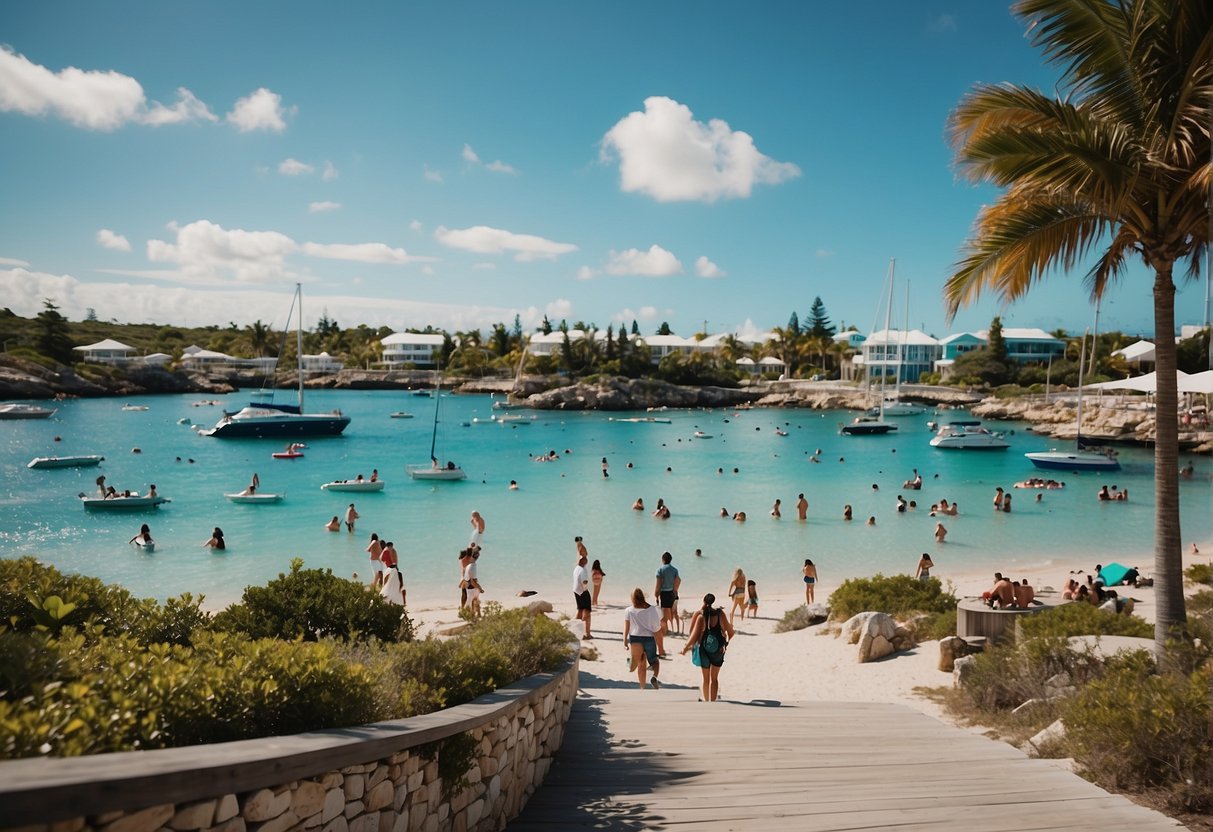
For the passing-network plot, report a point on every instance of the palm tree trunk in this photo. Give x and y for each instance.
(1170, 618)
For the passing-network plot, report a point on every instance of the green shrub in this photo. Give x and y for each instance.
(1005, 676)
(897, 595)
(312, 604)
(1200, 573)
(1081, 619)
(1136, 729)
(934, 626)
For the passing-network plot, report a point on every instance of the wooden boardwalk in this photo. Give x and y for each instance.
(635, 760)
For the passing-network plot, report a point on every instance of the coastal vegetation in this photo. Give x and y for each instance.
(1113, 167)
(87, 668)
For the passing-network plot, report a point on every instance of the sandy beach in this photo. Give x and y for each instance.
(809, 664)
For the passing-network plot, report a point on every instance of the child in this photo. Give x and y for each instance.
(752, 598)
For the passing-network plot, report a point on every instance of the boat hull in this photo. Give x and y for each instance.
(867, 428)
(254, 499)
(122, 503)
(279, 426)
(949, 443)
(364, 486)
(26, 412)
(65, 461)
(1072, 461)
(425, 472)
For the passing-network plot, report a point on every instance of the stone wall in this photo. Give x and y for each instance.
(385, 777)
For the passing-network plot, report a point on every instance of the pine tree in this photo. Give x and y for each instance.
(664, 329)
(996, 344)
(52, 339)
(819, 320)
(635, 327)
(546, 326)
(794, 324)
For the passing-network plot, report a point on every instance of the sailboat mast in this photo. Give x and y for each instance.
(437, 398)
(299, 343)
(1082, 359)
(900, 345)
(888, 315)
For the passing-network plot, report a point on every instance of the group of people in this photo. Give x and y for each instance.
(351, 517)
(385, 569)
(1094, 589)
(1112, 494)
(1002, 500)
(1008, 594)
(108, 492)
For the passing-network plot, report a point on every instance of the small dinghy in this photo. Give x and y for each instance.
(353, 485)
(701, 435)
(131, 408)
(400, 414)
(65, 461)
(267, 497)
(122, 503)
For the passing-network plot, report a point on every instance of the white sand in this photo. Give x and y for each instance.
(807, 664)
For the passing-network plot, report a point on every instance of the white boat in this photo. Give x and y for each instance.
(968, 435)
(514, 419)
(353, 485)
(262, 419)
(894, 406)
(400, 414)
(65, 461)
(1080, 459)
(255, 499)
(434, 471)
(122, 503)
(874, 424)
(701, 435)
(25, 411)
(651, 420)
(134, 408)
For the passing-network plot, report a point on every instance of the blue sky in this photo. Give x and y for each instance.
(457, 163)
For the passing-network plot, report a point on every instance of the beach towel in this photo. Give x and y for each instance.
(1113, 574)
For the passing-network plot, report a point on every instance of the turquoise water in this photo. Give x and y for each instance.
(529, 539)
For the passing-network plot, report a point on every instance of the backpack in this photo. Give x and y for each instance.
(713, 640)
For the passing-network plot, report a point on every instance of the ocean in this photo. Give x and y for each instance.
(528, 543)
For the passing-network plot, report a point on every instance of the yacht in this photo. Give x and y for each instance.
(969, 435)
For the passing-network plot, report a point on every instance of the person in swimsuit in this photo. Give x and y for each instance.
(144, 537)
(737, 594)
(711, 620)
(752, 600)
(940, 533)
(923, 572)
(802, 508)
(596, 576)
(375, 550)
(810, 580)
(216, 541)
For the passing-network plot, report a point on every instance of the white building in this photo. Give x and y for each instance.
(907, 353)
(419, 349)
(108, 351)
(322, 363)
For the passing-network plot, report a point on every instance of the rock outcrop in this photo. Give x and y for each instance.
(24, 379)
(619, 393)
(877, 635)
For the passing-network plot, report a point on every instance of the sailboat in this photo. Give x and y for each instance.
(893, 405)
(435, 471)
(1079, 459)
(872, 424)
(267, 419)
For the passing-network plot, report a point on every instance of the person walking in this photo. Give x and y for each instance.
(737, 594)
(923, 571)
(351, 514)
(477, 523)
(709, 636)
(605, 471)
(471, 581)
(375, 550)
(641, 625)
(596, 576)
(666, 590)
(810, 580)
(581, 593)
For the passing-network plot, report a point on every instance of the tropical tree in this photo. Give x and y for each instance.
(819, 320)
(52, 337)
(1113, 164)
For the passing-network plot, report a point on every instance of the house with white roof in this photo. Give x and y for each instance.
(906, 353)
(419, 349)
(1028, 345)
(108, 351)
(1139, 355)
(322, 363)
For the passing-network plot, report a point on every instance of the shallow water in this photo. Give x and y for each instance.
(529, 539)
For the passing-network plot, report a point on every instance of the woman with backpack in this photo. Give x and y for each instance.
(709, 636)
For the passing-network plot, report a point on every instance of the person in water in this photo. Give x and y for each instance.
(216, 541)
(144, 538)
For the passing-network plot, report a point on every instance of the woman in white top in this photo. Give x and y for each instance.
(393, 587)
(472, 583)
(641, 623)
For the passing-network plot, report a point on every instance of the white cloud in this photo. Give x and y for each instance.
(13, 261)
(656, 262)
(293, 167)
(110, 240)
(482, 239)
(259, 110)
(330, 172)
(668, 155)
(92, 99)
(359, 252)
(322, 207)
(488, 267)
(205, 252)
(586, 273)
(416, 225)
(706, 268)
(559, 308)
(498, 166)
(23, 291)
(432, 175)
(470, 156)
(645, 313)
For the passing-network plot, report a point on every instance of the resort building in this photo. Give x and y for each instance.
(906, 354)
(417, 349)
(1028, 346)
(108, 351)
(1138, 355)
(322, 363)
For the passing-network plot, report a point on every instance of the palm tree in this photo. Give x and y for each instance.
(1115, 163)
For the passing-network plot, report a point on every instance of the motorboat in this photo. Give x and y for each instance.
(513, 419)
(968, 435)
(132, 503)
(867, 426)
(895, 406)
(25, 411)
(701, 435)
(65, 461)
(651, 420)
(268, 419)
(255, 499)
(134, 408)
(400, 414)
(353, 485)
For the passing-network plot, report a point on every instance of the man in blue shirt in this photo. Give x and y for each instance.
(666, 589)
